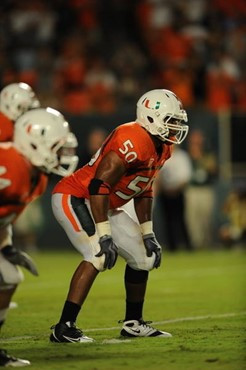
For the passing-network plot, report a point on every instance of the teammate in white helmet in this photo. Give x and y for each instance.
(15, 99)
(39, 148)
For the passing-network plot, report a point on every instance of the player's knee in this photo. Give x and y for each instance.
(10, 275)
(98, 263)
(91, 252)
(145, 263)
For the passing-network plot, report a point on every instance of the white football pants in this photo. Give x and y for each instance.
(10, 275)
(125, 233)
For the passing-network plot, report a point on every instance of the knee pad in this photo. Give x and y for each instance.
(93, 249)
(145, 263)
(98, 263)
(10, 275)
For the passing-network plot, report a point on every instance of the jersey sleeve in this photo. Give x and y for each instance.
(6, 129)
(6, 192)
(16, 190)
(10, 186)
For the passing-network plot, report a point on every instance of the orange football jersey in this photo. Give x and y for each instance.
(135, 147)
(6, 128)
(17, 187)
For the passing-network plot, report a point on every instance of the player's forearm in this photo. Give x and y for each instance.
(99, 207)
(143, 208)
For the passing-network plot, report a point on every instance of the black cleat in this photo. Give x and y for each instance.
(10, 361)
(68, 333)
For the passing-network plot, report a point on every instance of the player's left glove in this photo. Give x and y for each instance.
(152, 246)
(17, 257)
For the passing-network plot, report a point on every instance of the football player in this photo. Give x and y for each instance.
(41, 145)
(88, 207)
(15, 99)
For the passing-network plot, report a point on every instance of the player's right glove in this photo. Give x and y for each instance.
(109, 249)
(152, 246)
(17, 257)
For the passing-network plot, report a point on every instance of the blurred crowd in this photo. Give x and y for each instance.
(95, 56)
(98, 57)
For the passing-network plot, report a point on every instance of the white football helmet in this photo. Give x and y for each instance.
(161, 113)
(16, 99)
(43, 136)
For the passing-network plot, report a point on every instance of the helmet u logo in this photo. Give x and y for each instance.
(146, 104)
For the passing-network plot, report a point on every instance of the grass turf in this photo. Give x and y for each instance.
(198, 297)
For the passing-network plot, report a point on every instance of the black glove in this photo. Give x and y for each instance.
(109, 249)
(17, 257)
(152, 246)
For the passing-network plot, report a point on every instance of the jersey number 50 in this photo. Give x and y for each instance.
(129, 156)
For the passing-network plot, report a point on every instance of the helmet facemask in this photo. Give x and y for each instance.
(67, 158)
(175, 130)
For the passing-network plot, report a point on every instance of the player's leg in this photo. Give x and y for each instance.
(10, 275)
(127, 235)
(65, 330)
(6, 293)
(74, 216)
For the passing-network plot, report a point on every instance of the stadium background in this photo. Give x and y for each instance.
(92, 59)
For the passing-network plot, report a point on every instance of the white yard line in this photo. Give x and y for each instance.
(171, 321)
(181, 319)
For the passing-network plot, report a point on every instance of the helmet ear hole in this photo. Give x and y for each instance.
(150, 119)
(55, 145)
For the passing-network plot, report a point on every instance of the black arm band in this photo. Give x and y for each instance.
(98, 187)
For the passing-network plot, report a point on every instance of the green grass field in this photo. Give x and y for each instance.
(199, 298)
